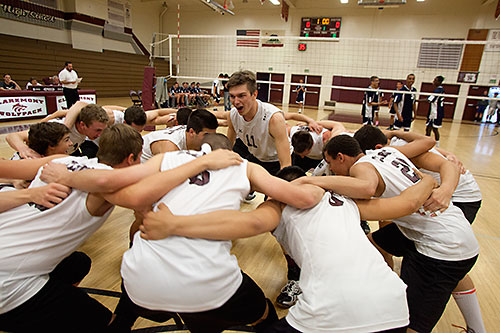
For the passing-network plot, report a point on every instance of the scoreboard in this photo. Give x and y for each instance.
(320, 27)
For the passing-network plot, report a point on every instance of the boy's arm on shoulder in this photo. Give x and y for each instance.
(19, 142)
(73, 113)
(105, 181)
(408, 202)
(294, 194)
(25, 168)
(361, 184)
(417, 143)
(142, 194)
(218, 225)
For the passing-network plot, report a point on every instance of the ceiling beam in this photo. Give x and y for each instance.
(291, 3)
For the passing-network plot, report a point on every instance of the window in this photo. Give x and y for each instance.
(440, 55)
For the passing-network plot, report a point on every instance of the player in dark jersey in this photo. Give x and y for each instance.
(436, 110)
(371, 102)
(394, 104)
(407, 107)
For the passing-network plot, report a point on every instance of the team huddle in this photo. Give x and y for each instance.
(186, 184)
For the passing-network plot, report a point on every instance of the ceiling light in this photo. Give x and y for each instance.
(275, 2)
(344, 1)
(420, 0)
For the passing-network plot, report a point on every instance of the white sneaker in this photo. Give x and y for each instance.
(289, 294)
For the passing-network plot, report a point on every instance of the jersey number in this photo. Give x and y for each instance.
(251, 141)
(334, 201)
(405, 169)
(200, 179)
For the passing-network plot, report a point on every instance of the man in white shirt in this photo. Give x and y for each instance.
(69, 80)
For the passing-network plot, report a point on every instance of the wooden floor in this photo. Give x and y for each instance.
(476, 145)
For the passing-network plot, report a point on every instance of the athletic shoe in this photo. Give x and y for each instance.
(365, 227)
(250, 197)
(289, 294)
(300, 110)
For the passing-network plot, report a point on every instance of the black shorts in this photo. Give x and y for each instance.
(59, 306)
(305, 163)
(469, 209)
(281, 326)
(246, 306)
(430, 281)
(240, 148)
(434, 123)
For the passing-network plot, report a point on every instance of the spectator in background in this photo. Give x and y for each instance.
(69, 79)
(9, 84)
(32, 82)
(55, 81)
(201, 93)
(186, 94)
(481, 107)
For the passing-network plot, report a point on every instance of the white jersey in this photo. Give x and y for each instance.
(34, 239)
(356, 292)
(185, 274)
(448, 236)
(76, 137)
(176, 135)
(467, 189)
(119, 117)
(255, 133)
(317, 148)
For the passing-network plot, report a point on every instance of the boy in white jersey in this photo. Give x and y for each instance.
(186, 137)
(260, 126)
(200, 279)
(37, 295)
(356, 293)
(33, 301)
(89, 122)
(438, 250)
(466, 196)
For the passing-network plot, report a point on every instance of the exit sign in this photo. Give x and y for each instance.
(302, 46)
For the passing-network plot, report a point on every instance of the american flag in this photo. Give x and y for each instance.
(248, 42)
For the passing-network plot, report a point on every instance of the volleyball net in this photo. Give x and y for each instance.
(338, 68)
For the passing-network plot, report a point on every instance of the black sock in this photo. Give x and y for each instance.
(293, 269)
